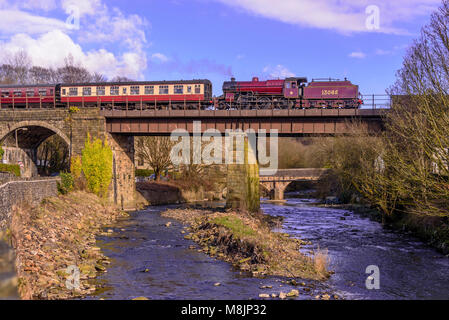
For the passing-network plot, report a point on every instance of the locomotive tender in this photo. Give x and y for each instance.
(294, 92)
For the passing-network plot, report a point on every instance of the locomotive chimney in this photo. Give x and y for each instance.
(232, 79)
(255, 79)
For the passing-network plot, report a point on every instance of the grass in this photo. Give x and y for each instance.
(236, 225)
(246, 241)
(11, 168)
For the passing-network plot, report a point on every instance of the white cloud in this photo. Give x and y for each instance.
(14, 21)
(159, 57)
(45, 5)
(278, 71)
(85, 7)
(48, 41)
(341, 15)
(50, 50)
(357, 55)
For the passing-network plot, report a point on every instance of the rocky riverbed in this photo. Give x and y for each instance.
(55, 241)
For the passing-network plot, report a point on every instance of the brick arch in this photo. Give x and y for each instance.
(33, 123)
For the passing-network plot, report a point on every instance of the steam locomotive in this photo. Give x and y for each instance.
(187, 94)
(290, 93)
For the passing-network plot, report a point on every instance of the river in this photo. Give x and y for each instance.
(151, 260)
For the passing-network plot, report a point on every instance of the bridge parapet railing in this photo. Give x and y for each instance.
(276, 113)
(376, 101)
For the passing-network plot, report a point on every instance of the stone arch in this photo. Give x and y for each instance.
(36, 124)
(21, 141)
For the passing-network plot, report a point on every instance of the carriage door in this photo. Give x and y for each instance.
(291, 90)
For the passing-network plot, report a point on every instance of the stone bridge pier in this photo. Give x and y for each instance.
(23, 131)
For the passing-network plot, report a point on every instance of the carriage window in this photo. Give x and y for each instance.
(30, 93)
(179, 89)
(101, 91)
(63, 92)
(5, 94)
(149, 89)
(197, 88)
(189, 89)
(287, 85)
(17, 93)
(43, 93)
(51, 92)
(124, 90)
(72, 91)
(115, 91)
(135, 90)
(87, 91)
(163, 89)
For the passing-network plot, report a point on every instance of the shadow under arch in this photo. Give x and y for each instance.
(21, 143)
(33, 133)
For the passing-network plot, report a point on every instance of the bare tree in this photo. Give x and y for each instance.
(20, 63)
(121, 79)
(155, 151)
(419, 121)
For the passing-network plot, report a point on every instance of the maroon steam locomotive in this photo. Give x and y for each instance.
(193, 94)
(289, 93)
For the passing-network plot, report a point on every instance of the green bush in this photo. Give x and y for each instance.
(66, 184)
(143, 172)
(97, 165)
(2, 152)
(11, 168)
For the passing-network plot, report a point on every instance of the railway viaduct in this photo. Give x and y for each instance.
(23, 130)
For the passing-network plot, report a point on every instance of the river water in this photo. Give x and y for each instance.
(175, 270)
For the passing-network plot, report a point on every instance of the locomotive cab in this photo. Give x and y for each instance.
(293, 87)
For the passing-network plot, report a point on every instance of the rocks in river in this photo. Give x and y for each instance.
(274, 295)
(326, 297)
(332, 200)
(100, 268)
(168, 224)
(141, 298)
(264, 295)
(266, 287)
(217, 284)
(293, 282)
(282, 295)
(293, 293)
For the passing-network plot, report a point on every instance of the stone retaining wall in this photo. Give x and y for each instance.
(16, 192)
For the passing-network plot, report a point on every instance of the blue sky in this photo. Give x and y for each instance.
(217, 39)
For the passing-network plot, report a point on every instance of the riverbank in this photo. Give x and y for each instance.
(59, 233)
(433, 231)
(246, 241)
(163, 193)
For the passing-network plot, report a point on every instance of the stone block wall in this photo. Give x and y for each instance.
(16, 192)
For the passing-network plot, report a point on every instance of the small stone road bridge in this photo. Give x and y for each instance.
(276, 183)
